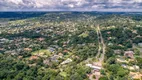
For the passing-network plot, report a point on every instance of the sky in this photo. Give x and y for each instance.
(71, 5)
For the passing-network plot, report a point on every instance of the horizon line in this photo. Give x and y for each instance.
(79, 11)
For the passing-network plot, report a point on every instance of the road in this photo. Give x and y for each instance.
(102, 47)
(99, 44)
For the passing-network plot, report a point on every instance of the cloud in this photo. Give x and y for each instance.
(70, 5)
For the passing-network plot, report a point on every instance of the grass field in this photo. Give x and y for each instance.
(42, 52)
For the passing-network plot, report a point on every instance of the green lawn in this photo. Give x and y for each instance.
(64, 74)
(42, 52)
(84, 35)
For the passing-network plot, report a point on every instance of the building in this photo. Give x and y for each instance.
(67, 61)
(27, 49)
(46, 61)
(117, 51)
(13, 52)
(129, 54)
(54, 58)
(135, 75)
(33, 58)
(41, 39)
(97, 64)
(65, 51)
(108, 32)
(95, 67)
(140, 44)
(96, 74)
(133, 68)
(51, 49)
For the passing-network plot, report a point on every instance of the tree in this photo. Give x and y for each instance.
(121, 72)
(111, 60)
(103, 78)
(109, 52)
(76, 76)
(139, 61)
(94, 77)
(19, 76)
(113, 68)
(103, 72)
(137, 51)
(19, 65)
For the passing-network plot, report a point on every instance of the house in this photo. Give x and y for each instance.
(33, 58)
(110, 44)
(4, 40)
(117, 51)
(136, 67)
(40, 39)
(109, 38)
(120, 45)
(135, 75)
(129, 54)
(95, 67)
(60, 55)
(46, 62)
(13, 52)
(131, 60)
(67, 61)
(124, 65)
(108, 32)
(65, 44)
(65, 51)
(140, 44)
(133, 68)
(32, 64)
(96, 74)
(20, 57)
(51, 49)
(97, 64)
(55, 46)
(54, 58)
(135, 31)
(1, 49)
(27, 49)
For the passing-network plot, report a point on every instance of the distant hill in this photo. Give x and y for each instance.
(24, 15)
(20, 15)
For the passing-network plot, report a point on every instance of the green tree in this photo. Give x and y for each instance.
(103, 78)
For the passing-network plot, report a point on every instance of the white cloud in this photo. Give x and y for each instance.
(15, 1)
(139, 1)
(70, 4)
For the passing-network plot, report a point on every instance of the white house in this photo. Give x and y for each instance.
(67, 61)
(94, 67)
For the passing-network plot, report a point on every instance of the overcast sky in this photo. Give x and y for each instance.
(71, 5)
